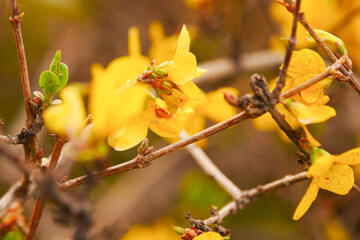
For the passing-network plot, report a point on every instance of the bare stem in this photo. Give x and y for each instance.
(346, 72)
(40, 201)
(249, 195)
(290, 48)
(134, 163)
(15, 18)
(312, 81)
(210, 168)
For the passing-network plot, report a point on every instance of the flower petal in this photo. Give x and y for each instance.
(209, 236)
(167, 126)
(183, 67)
(321, 165)
(307, 200)
(310, 137)
(130, 133)
(351, 157)
(338, 179)
(216, 108)
(67, 118)
(312, 114)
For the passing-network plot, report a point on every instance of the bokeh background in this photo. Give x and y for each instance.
(245, 34)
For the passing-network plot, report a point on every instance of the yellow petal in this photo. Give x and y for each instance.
(216, 108)
(304, 62)
(192, 92)
(111, 106)
(162, 48)
(67, 118)
(321, 165)
(338, 179)
(351, 157)
(183, 67)
(310, 137)
(209, 236)
(265, 122)
(130, 133)
(127, 68)
(167, 126)
(312, 114)
(307, 200)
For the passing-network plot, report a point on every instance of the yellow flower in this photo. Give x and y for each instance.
(162, 48)
(68, 118)
(333, 13)
(159, 230)
(209, 236)
(164, 115)
(214, 108)
(184, 66)
(113, 97)
(308, 106)
(326, 19)
(331, 173)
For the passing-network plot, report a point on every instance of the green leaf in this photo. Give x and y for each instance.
(63, 76)
(55, 63)
(49, 83)
(14, 235)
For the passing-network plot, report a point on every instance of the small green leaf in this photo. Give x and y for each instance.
(49, 83)
(179, 230)
(55, 63)
(63, 76)
(14, 235)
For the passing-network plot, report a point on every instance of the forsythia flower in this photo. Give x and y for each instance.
(215, 108)
(159, 230)
(162, 48)
(209, 236)
(68, 118)
(308, 106)
(112, 99)
(333, 13)
(172, 84)
(331, 173)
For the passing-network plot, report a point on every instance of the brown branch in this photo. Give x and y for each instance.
(247, 196)
(134, 164)
(356, 188)
(138, 163)
(5, 139)
(31, 148)
(210, 168)
(346, 71)
(15, 18)
(40, 201)
(328, 72)
(280, 83)
(19, 162)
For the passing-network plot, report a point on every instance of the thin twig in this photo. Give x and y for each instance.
(346, 72)
(19, 162)
(280, 83)
(328, 72)
(210, 168)
(135, 164)
(356, 188)
(5, 139)
(31, 148)
(249, 195)
(40, 201)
